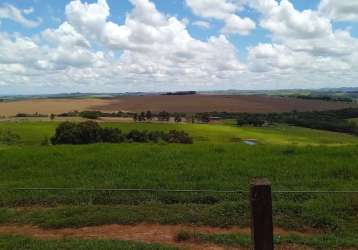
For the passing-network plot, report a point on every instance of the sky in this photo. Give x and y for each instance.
(169, 45)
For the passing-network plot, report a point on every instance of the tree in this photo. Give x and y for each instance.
(141, 117)
(149, 115)
(163, 116)
(91, 114)
(177, 118)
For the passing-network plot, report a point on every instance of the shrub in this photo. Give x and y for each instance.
(183, 236)
(137, 136)
(90, 132)
(156, 136)
(77, 133)
(175, 136)
(112, 135)
(8, 137)
(66, 133)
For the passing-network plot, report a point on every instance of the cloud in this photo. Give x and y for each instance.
(305, 31)
(235, 24)
(339, 10)
(28, 11)
(283, 20)
(304, 43)
(202, 24)
(223, 10)
(149, 47)
(65, 35)
(88, 19)
(151, 50)
(8, 11)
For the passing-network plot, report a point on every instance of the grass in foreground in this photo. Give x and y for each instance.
(237, 240)
(222, 214)
(216, 160)
(21, 243)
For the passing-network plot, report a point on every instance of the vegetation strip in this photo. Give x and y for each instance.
(150, 233)
(178, 190)
(133, 190)
(239, 240)
(20, 242)
(174, 234)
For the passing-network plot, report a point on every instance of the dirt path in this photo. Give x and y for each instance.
(149, 233)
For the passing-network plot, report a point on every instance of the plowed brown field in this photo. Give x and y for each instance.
(228, 103)
(155, 103)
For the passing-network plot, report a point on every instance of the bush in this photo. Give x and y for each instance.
(90, 132)
(175, 136)
(112, 135)
(137, 136)
(66, 133)
(77, 133)
(183, 236)
(156, 136)
(9, 138)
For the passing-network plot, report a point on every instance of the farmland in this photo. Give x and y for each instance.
(292, 158)
(157, 103)
(210, 103)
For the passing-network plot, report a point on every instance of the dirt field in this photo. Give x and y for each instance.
(188, 104)
(148, 233)
(48, 106)
(207, 103)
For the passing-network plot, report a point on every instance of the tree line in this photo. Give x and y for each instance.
(331, 120)
(323, 98)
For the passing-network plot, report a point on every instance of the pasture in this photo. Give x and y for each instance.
(292, 158)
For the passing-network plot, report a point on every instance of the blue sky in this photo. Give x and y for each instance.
(143, 45)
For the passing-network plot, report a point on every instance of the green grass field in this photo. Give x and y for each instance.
(292, 158)
(32, 133)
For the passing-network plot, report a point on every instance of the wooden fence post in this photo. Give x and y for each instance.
(261, 215)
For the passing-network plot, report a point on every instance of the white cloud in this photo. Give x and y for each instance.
(89, 19)
(149, 47)
(17, 50)
(340, 10)
(150, 50)
(28, 11)
(202, 24)
(8, 11)
(223, 10)
(65, 35)
(304, 44)
(218, 9)
(283, 20)
(235, 24)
